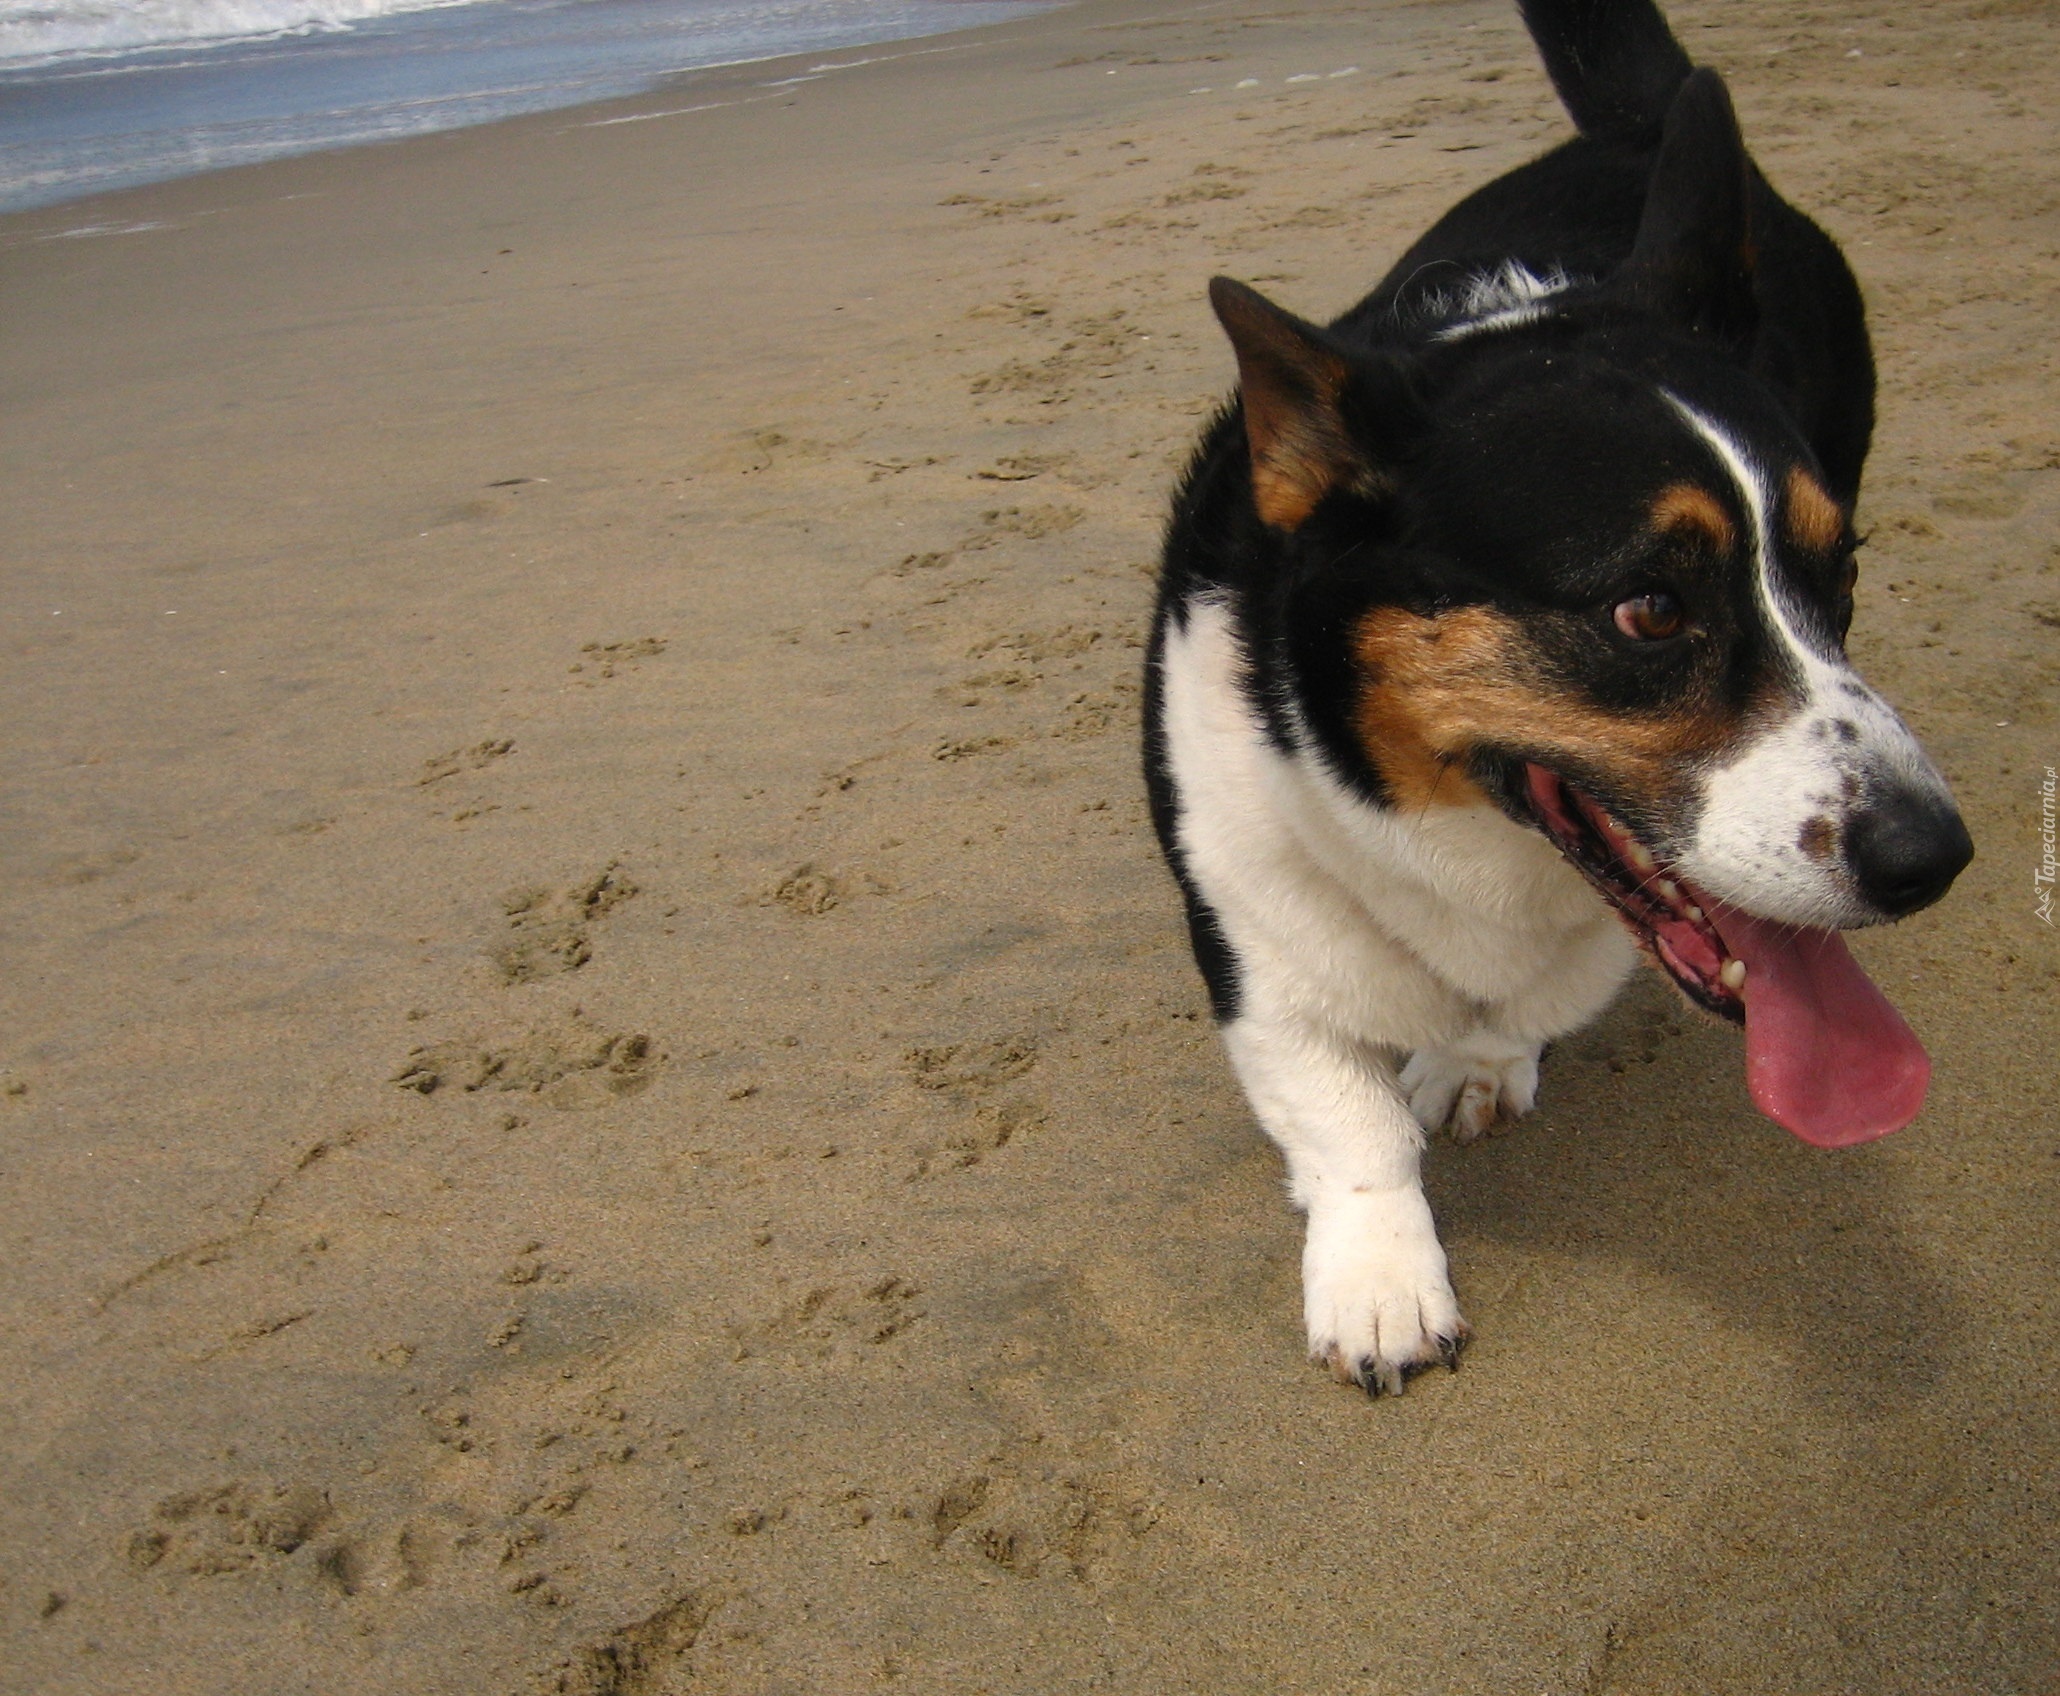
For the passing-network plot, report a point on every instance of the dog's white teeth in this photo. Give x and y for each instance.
(1733, 974)
(1695, 912)
(1669, 891)
(1640, 856)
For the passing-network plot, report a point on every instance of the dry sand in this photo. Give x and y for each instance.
(604, 1092)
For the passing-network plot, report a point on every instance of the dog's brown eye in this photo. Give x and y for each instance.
(1849, 574)
(1651, 618)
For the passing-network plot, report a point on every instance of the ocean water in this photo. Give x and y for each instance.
(101, 94)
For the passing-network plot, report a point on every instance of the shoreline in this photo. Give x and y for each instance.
(731, 78)
(376, 80)
(602, 1088)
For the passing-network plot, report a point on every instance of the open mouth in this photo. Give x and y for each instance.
(1669, 918)
(1826, 1055)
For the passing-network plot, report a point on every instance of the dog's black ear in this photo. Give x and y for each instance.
(1693, 260)
(1305, 404)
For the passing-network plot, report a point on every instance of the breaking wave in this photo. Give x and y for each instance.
(46, 32)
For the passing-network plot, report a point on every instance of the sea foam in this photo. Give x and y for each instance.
(51, 31)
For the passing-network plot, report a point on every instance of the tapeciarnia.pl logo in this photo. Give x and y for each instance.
(2043, 874)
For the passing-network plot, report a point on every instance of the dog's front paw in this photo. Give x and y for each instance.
(1471, 1087)
(1375, 1292)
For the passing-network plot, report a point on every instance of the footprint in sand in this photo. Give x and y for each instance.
(972, 747)
(829, 1322)
(807, 889)
(1024, 1523)
(1094, 712)
(475, 758)
(550, 926)
(992, 1127)
(642, 1658)
(1037, 208)
(973, 1067)
(228, 1528)
(1032, 523)
(812, 890)
(571, 1064)
(1067, 641)
(604, 659)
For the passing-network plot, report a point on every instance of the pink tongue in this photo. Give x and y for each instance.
(1826, 1056)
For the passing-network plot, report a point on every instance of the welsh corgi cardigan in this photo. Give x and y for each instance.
(1501, 635)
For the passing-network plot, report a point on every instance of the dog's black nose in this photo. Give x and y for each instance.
(1906, 850)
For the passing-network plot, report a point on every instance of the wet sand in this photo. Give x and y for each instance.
(603, 1088)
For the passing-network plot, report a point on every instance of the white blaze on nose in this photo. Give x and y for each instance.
(1825, 756)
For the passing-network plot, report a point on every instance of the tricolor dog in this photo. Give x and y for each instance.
(1501, 635)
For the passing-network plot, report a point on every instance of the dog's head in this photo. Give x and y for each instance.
(1575, 558)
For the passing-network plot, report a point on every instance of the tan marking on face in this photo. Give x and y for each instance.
(1689, 506)
(1436, 689)
(1812, 519)
(1818, 839)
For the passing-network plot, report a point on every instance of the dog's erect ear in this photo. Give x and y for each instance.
(1693, 259)
(1302, 395)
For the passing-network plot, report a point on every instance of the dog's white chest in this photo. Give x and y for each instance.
(1402, 925)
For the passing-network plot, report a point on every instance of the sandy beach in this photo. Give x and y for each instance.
(601, 1090)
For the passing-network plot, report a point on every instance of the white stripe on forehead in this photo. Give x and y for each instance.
(1832, 691)
(1809, 659)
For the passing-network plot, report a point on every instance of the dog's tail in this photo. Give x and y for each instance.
(1615, 63)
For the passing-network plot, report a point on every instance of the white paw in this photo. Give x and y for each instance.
(1471, 1087)
(1375, 1292)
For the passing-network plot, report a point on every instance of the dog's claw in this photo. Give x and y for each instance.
(1387, 1378)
